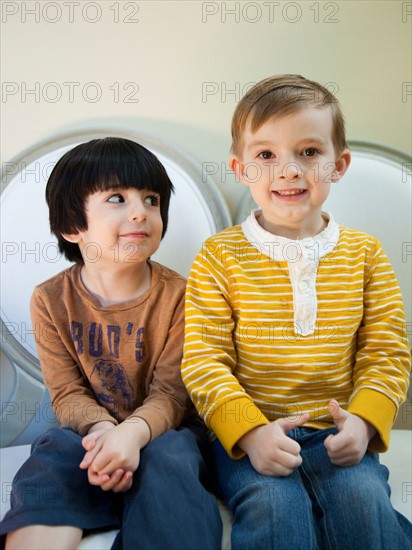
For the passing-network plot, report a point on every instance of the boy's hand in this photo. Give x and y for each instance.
(270, 450)
(89, 442)
(348, 447)
(118, 480)
(114, 454)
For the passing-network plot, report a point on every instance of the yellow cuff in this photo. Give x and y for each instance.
(378, 410)
(232, 420)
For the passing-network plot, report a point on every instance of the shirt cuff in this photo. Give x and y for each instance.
(232, 420)
(378, 410)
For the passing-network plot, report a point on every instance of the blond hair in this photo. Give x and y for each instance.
(281, 95)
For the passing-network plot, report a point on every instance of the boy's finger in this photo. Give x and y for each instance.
(329, 444)
(89, 457)
(335, 444)
(124, 484)
(113, 481)
(291, 461)
(104, 464)
(292, 422)
(289, 446)
(338, 414)
(87, 460)
(89, 440)
(96, 479)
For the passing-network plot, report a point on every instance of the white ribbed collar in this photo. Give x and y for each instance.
(290, 250)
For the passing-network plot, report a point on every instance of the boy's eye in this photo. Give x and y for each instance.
(266, 155)
(310, 152)
(153, 200)
(116, 198)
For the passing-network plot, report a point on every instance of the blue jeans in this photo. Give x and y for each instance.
(318, 506)
(170, 504)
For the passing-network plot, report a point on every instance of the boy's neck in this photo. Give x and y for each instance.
(295, 232)
(116, 287)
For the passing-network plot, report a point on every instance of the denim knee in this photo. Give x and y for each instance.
(359, 487)
(175, 452)
(171, 482)
(256, 500)
(61, 440)
(269, 512)
(272, 514)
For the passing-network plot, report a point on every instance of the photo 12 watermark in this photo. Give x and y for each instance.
(253, 172)
(266, 333)
(89, 337)
(406, 91)
(407, 491)
(36, 172)
(406, 252)
(33, 252)
(69, 12)
(69, 92)
(233, 92)
(36, 252)
(406, 171)
(406, 12)
(271, 12)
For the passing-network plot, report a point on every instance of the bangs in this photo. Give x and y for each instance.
(120, 164)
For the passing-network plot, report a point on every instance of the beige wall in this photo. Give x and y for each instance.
(183, 58)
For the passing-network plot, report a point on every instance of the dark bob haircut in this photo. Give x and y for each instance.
(97, 165)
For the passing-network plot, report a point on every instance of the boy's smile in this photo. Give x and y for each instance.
(134, 235)
(289, 164)
(290, 194)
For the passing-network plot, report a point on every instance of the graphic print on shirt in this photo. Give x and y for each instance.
(115, 386)
(92, 336)
(103, 343)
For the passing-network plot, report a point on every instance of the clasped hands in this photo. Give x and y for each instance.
(273, 453)
(113, 453)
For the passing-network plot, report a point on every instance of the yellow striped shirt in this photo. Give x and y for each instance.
(245, 364)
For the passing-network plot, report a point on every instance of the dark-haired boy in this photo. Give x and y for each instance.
(110, 358)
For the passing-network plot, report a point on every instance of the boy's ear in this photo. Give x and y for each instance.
(342, 164)
(238, 168)
(72, 237)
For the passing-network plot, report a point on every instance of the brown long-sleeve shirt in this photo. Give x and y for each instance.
(109, 363)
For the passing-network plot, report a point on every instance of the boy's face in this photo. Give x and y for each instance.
(124, 226)
(289, 164)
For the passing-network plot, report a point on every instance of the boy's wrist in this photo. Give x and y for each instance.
(370, 429)
(246, 441)
(104, 425)
(139, 429)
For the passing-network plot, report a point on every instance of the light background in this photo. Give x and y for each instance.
(188, 63)
(175, 70)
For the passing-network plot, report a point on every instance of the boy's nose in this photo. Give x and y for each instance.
(137, 211)
(291, 171)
